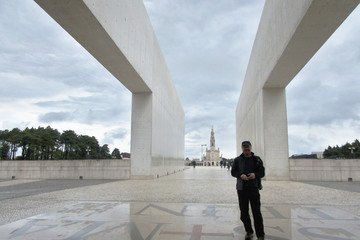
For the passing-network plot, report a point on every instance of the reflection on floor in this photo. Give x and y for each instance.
(344, 186)
(146, 221)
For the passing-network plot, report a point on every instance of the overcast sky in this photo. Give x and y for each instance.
(47, 78)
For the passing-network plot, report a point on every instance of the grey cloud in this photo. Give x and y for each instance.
(86, 116)
(37, 53)
(299, 145)
(305, 138)
(57, 117)
(206, 46)
(97, 108)
(324, 105)
(116, 134)
(327, 89)
(98, 100)
(15, 86)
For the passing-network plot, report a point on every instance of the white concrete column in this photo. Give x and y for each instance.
(276, 150)
(251, 128)
(265, 126)
(141, 135)
(156, 148)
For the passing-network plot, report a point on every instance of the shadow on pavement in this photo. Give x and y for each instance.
(345, 186)
(44, 186)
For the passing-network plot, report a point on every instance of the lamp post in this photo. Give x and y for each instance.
(14, 152)
(352, 151)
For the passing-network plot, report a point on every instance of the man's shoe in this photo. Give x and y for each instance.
(261, 238)
(249, 236)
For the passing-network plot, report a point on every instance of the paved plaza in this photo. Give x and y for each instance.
(198, 203)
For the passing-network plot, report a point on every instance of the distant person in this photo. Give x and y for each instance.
(193, 163)
(248, 169)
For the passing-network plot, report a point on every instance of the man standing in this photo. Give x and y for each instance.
(249, 169)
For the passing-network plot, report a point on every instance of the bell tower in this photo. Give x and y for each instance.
(212, 139)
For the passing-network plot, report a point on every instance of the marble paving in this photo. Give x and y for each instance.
(146, 221)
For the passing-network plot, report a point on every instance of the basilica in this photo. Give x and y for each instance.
(212, 156)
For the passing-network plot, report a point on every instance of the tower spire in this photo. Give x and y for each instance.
(212, 138)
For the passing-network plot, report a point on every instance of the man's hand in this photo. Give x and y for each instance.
(244, 177)
(251, 176)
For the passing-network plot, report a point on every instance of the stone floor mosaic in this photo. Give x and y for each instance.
(175, 221)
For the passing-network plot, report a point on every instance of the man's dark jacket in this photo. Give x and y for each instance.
(238, 169)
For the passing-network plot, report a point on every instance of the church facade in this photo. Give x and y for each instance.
(212, 156)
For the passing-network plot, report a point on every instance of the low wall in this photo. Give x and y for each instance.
(66, 169)
(324, 169)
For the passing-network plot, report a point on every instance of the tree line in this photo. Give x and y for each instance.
(49, 144)
(348, 150)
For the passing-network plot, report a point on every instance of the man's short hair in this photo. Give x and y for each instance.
(246, 144)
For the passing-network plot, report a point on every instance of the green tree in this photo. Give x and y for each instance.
(69, 142)
(356, 145)
(88, 147)
(14, 138)
(40, 143)
(47, 143)
(344, 151)
(26, 139)
(116, 154)
(4, 145)
(105, 152)
(33, 150)
(50, 141)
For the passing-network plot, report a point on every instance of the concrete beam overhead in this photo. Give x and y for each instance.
(120, 36)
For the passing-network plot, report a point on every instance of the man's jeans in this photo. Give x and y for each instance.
(252, 195)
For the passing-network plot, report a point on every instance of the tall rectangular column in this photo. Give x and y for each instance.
(141, 135)
(276, 150)
(157, 142)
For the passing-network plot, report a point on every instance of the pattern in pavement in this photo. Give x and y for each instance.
(197, 204)
(162, 221)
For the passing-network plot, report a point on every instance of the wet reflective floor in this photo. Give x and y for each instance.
(163, 221)
(196, 204)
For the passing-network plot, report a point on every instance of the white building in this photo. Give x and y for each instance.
(319, 155)
(212, 156)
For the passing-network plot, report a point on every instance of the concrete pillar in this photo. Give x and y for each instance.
(276, 150)
(265, 126)
(156, 148)
(141, 135)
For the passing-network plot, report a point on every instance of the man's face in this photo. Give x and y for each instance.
(246, 149)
